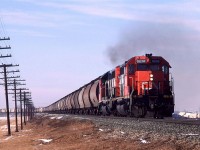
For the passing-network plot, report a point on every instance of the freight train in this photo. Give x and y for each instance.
(142, 86)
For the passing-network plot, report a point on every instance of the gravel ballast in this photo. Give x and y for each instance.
(145, 131)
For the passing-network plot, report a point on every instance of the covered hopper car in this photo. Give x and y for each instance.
(140, 87)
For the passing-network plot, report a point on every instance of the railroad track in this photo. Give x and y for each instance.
(165, 120)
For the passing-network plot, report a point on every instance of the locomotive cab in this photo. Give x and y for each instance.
(152, 76)
(152, 88)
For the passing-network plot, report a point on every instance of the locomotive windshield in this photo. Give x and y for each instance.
(131, 69)
(165, 69)
(144, 67)
(154, 67)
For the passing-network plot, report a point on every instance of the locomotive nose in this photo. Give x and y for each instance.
(144, 76)
(149, 80)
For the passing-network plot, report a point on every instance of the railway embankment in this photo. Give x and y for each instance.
(62, 131)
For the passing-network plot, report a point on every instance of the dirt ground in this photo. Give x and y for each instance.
(74, 134)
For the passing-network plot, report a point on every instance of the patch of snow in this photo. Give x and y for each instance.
(59, 117)
(100, 129)
(122, 132)
(143, 141)
(26, 130)
(8, 138)
(3, 118)
(52, 117)
(79, 117)
(45, 140)
(3, 127)
(82, 118)
(191, 134)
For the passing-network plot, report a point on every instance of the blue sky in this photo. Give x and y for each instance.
(63, 44)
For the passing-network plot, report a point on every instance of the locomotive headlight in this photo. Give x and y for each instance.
(151, 77)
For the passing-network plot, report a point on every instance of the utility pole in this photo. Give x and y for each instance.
(24, 108)
(15, 96)
(15, 89)
(21, 112)
(29, 105)
(20, 99)
(16, 106)
(7, 103)
(32, 111)
(21, 108)
(4, 66)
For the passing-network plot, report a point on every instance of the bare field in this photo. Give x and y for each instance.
(44, 133)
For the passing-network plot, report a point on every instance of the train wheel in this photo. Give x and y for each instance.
(158, 114)
(88, 112)
(115, 113)
(144, 111)
(139, 111)
(82, 112)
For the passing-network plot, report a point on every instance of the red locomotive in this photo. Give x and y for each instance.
(140, 87)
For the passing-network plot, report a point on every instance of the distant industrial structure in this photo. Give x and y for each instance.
(191, 115)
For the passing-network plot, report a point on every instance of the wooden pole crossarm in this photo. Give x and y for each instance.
(7, 47)
(11, 71)
(4, 56)
(8, 65)
(4, 38)
(11, 77)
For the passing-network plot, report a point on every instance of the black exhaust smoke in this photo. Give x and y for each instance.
(179, 45)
